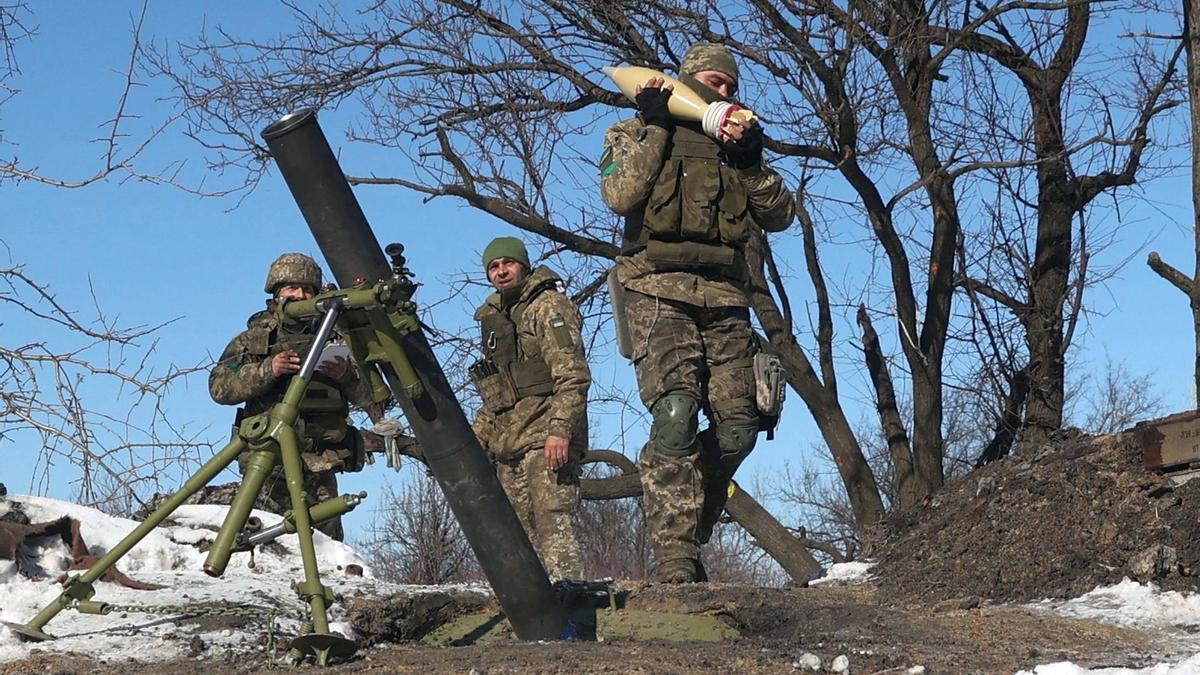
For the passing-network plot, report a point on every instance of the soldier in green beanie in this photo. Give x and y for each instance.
(533, 380)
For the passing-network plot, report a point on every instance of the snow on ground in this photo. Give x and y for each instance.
(1189, 666)
(844, 574)
(168, 556)
(1133, 605)
(1173, 615)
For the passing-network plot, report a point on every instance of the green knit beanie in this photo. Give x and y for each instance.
(506, 247)
(708, 56)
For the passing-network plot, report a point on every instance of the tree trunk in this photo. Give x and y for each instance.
(1010, 420)
(889, 414)
(820, 398)
(1191, 19)
(1057, 205)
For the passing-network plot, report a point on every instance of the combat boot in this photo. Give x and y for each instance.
(715, 497)
(676, 571)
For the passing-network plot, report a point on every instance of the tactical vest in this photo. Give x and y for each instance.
(321, 397)
(697, 216)
(506, 374)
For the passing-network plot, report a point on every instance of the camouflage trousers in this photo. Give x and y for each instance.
(706, 352)
(546, 503)
(320, 485)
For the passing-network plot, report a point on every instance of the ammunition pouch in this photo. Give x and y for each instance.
(493, 386)
(697, 213)
(770, 387)
(501, 388)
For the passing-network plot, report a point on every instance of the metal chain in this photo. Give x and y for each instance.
(265, 614)
(224, 609)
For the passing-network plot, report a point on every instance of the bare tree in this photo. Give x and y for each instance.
(1044, 56)
(1189, 286)
(890, 114)
(414, 538)
(121, 150)
(83, 392)
(80, 388)
(1113, 399)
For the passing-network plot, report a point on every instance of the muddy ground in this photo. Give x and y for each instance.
(778, 627)
(1051, 521)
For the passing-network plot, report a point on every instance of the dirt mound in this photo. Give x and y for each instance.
(1052, 521)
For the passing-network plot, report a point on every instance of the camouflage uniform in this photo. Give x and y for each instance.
(688, 216)
(534, 384)
(243, 375)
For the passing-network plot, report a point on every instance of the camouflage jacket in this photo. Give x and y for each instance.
(634, 154)
(549, 329)
(243, 375)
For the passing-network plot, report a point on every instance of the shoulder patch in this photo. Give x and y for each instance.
(562, 336)
(607, 163)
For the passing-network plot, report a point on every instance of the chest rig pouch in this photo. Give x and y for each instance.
(506, 374)
(322, 394)
(697, 214)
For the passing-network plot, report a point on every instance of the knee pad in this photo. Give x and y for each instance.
(676, 424)
(735, 441)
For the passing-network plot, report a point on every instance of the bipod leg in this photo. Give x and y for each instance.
(78, 588)
(258, 468)
(320, 643)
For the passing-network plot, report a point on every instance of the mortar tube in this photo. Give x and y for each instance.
(452, 452)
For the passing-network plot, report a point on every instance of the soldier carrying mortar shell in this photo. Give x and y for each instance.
(691, 199)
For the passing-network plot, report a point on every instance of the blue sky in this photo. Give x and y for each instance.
(154, 253)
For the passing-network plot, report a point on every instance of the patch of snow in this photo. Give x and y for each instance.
(845, 574)
(1132, 605)
(1174, 616)
(167, 556)
(1189, 666)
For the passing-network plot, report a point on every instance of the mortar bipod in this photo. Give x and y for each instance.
(271, 438)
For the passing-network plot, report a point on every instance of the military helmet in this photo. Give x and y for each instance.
(293, 268)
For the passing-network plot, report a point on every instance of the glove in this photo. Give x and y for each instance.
(747, 152)
(652, 102)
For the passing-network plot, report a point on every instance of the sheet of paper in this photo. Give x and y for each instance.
(333, 352)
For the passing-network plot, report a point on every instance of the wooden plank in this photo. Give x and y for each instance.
(1169, 441)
